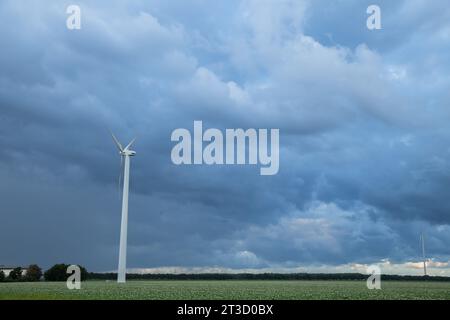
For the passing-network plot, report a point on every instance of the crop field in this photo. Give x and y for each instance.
(233, 289)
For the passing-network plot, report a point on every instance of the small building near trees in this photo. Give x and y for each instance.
(7, 270)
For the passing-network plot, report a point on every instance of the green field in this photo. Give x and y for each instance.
(228, 289)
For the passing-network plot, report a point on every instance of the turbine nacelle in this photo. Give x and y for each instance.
(129, 153)
(124, 151)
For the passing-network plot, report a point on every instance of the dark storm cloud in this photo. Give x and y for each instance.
(364, 154)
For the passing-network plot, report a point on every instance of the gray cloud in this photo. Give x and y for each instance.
(362, 116)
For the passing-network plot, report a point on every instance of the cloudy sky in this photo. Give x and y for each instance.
(363, 118)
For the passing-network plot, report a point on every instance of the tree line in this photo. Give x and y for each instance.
(58, 272)
(33, 272)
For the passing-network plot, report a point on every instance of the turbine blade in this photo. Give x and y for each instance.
(130, 144)
(118, 145)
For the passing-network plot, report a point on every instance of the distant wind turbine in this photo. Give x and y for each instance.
(125, 153)
(422, 238)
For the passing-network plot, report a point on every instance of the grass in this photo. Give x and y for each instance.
(228, 289)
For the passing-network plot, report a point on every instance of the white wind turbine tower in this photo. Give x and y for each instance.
(125, 153)
(422, 239)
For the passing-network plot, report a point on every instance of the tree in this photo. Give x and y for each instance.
(2, 276)
(34, 273)
(15, 274)
(59, 273)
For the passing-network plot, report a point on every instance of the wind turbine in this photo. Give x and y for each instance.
(125, 153)
(422, 238)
